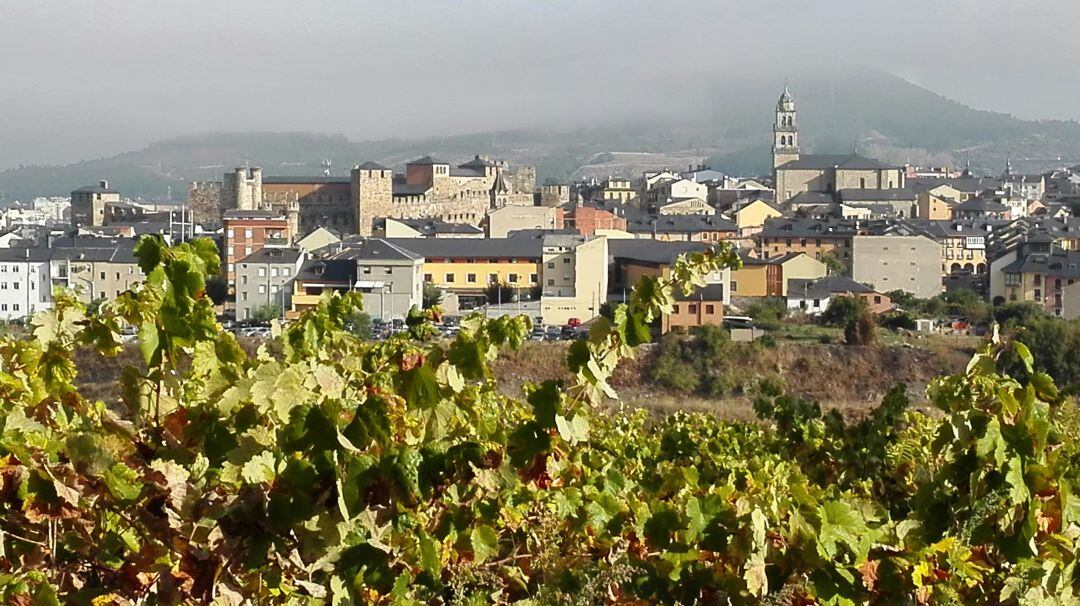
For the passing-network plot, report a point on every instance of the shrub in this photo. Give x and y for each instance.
(897, 320)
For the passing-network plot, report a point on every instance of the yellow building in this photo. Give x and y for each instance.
(468, 266)
(933, 207)
(751, 217)
(769, 277)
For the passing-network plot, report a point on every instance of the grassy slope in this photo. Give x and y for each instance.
(849, 378)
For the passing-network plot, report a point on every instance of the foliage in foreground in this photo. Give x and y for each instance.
(326, 469)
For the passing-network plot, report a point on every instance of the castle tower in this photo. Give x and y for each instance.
(785, 131)
(242, 189)
(373, 194)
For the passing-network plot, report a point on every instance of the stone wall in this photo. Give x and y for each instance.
(373, 194)
(205, 201)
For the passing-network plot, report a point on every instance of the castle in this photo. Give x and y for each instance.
(428, 188)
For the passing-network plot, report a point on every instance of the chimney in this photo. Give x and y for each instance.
(104, 184)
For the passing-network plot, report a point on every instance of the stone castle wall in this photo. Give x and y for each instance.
(204, 198)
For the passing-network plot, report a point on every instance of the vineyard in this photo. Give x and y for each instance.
(325, 469)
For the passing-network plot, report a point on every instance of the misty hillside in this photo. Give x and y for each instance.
(885, 116)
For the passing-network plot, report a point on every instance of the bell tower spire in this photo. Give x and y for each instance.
(785, 131)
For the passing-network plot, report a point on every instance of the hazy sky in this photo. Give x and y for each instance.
(87, 79)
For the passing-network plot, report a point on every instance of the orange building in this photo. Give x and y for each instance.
(249, 231)
(705, 306)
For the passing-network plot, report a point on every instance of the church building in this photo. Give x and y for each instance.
(795, 173)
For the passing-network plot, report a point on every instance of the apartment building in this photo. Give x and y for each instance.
(95, 268)
(894, 262)
(264, 281)
(814, 237)
(574, 277)
(249, 231)
(25, 282)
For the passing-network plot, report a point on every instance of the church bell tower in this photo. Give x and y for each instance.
(785, 132)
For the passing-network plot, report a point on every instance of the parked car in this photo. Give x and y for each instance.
(553, 333)
(537, 334)
(573, 322)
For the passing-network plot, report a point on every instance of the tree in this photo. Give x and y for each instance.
(217, 289)
(833, 265)
(432, 295)
(500, 293)
(1019, 314)
(266, 312)
(843, 310)
(359, 324)
(860, 330)
(768, 312)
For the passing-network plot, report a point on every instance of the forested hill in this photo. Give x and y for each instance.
(884, 116)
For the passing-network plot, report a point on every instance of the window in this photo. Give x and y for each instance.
(14, 307)
(262, 272)
(243, 296)
(551, 265)
(566, 259)
(243, 280)
(449, 278)
(102, 275)
(231, 266)
(470, 278)
(273, 272)
(710, 309)
(1011, 279)
(1038, 279)
(512, 278)
(232, 233)
(262, 289)
(427, 277)
(675, 308)
(817, 303)
(877, 300)
(366, 271)
(533, 278)
(15, 285)
(1038, 294)
(247, 233)
(693, 308)
(247, 250)
(734, 286)
(551, 282)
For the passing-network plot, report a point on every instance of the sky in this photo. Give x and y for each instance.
(84, 80)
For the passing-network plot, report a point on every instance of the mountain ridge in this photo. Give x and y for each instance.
(880, 114)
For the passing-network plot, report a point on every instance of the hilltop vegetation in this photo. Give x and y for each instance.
(888, 117)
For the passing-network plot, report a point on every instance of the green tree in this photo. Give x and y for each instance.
(833, 265)
(266, 312)
(861, 330)
(843, 310)
(432, 295)
(217, 289)
(500, 293)
(768, 312)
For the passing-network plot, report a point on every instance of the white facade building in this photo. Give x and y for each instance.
(25, 282)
